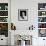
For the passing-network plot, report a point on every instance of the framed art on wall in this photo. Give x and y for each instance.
(23, 14)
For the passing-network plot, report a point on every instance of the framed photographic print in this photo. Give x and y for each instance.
(23, 14)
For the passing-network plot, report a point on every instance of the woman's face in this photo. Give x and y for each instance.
(23, 14)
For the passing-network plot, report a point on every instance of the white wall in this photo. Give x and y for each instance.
(32, 13)
(32, 6)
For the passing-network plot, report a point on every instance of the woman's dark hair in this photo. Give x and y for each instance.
(21, 15)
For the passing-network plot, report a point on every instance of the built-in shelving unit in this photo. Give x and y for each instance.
(42, 19)
(4, 19)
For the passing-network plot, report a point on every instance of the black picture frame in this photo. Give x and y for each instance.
(22, 14)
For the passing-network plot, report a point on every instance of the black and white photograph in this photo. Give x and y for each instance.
(23, 14)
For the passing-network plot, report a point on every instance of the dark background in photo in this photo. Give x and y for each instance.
(21, 14)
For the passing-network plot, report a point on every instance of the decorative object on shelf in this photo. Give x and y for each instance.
(41, 13)
(0, 7)
(4, 26)
(4, 29)
(3, 13)
(31, 27)
(23, 14)
(41, 19)
(6, 7)
(3, 19)
(42, 32)
(3, 6)
(40, 25)
(41, 6)
(13, 27)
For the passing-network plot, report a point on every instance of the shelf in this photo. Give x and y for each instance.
(3, 16)
(3, 22)
(4, 19)
(41, 10)
(42, 16)
(41, 28)
(41, 22)
(41, 19)
(3, 10)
